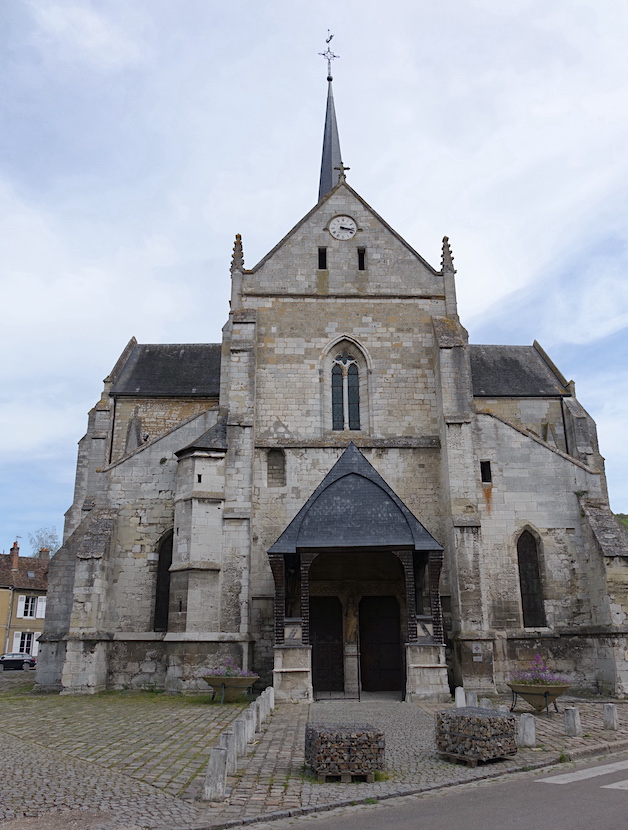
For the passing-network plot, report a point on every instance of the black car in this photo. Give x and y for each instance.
(17, 661)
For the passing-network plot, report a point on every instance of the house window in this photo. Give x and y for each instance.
(530, 581)
(276, 468)
(322, 259)
(26, 606)
(345, 392)
(23, 642)
(485, 472)
(361, 259)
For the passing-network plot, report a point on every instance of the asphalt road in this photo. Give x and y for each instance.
(525, 801)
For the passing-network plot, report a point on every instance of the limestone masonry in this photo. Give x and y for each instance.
(343, 495)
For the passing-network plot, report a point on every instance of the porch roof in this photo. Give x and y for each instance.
(353, 507)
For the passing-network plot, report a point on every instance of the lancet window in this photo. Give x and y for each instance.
(530, 581)
(345, 392)
(162, 589)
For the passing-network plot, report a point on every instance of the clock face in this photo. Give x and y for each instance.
(343, 227)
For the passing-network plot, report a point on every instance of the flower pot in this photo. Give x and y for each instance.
(539, 696)
(230, 689)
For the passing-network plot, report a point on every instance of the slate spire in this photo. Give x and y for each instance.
(331, 143)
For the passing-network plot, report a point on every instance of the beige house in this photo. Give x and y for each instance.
(23, 588)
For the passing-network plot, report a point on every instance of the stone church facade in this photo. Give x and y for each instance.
(344, 495)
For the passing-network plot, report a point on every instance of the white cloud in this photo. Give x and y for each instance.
(73, 33)
(499, 124)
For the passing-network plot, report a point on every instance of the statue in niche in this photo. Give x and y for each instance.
(293, 587)
(351, 620)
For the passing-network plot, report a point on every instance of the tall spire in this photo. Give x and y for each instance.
(332, 160)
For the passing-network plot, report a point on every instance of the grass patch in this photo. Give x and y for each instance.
(19, 689)
(381, 775)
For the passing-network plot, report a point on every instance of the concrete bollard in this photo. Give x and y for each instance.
(216, 775)
(527, 731)
(611, 716)
(227, 739)
(257, 708)
(249, 719)
(239, 730)
(485, 703)
(263, 699)
(271, 697)
(573, 727)
(472, 699)
(460, 697)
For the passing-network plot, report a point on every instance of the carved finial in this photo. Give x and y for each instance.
(329, 56)
(447, 260)
(237, 260)
(341, 172)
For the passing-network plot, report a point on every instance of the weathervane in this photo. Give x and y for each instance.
(329, 56)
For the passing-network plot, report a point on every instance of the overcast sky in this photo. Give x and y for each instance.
(139, 136)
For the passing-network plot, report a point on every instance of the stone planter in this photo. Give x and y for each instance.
(538, 696)
(231, 689)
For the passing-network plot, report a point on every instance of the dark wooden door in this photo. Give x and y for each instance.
(327, 648)
(380, 644)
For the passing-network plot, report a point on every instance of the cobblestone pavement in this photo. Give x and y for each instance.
(137, 760)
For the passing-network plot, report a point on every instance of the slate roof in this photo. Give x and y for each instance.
(214, 439)
(513, 371)
(20, 578)
(188, 370)
(353, 507)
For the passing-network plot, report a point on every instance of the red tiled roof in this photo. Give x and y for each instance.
(20, 578)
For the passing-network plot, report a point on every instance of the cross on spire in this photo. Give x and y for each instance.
(329, 56)
(341, 172)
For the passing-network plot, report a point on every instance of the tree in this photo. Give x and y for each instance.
(45, 537)
(622, 518)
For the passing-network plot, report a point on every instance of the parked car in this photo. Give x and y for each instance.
(17, 661)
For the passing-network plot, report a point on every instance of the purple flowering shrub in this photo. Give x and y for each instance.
(229, 669)
(537, 674)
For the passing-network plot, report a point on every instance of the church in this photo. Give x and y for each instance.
(343, 496)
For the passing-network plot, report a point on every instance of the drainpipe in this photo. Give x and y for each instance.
(9, 615)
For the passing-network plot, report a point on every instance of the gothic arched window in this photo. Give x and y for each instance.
(162, 590)
(345, 392)
(530, 581)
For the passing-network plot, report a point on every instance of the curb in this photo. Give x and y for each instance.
(575, 754)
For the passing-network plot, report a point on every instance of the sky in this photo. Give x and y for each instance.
(139, 137)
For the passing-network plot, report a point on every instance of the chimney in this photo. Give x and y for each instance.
(44, 554)
(15, 556)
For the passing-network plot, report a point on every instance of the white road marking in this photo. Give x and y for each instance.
(582, 774)
(620, 785)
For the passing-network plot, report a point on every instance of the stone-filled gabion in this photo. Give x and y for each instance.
(476, 734)
(344, 749)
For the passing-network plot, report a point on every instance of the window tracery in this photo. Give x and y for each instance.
(345, 392)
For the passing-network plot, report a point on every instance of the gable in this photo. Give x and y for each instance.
(392, 267)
